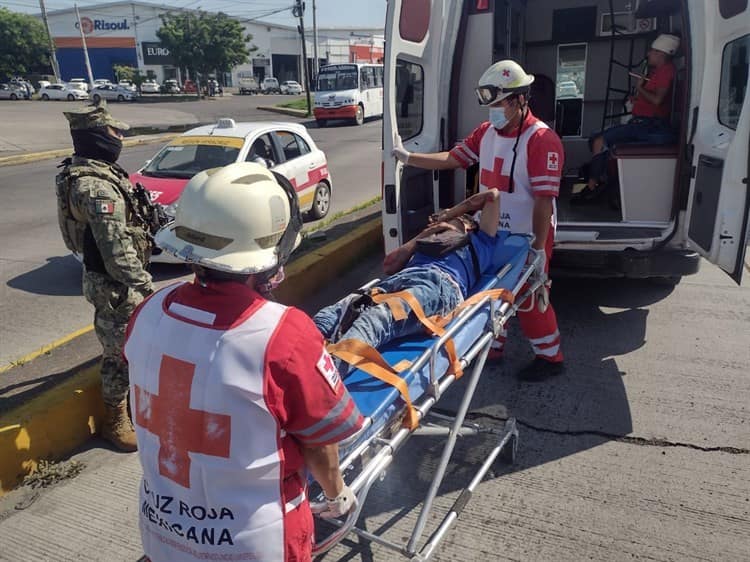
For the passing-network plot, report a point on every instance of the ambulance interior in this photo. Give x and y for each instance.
(581, 85)
(583, 82)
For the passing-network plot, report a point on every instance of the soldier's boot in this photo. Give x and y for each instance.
(117, 427)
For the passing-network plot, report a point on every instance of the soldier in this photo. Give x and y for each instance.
(102, 220)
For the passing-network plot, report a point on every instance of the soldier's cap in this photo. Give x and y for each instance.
(92, 116)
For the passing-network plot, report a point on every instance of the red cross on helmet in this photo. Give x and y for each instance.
(502, 79)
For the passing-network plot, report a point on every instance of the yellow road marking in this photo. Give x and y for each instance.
(47, 348)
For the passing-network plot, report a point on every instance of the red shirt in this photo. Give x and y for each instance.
(659, 77)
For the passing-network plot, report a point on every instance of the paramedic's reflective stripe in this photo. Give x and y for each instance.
(365, 357)
(294, 503)
(550, 350)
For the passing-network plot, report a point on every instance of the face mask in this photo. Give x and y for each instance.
(497, 117)
(97, 144)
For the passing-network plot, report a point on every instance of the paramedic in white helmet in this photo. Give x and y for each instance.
(521, 157)
(649, 124)
(234, 396)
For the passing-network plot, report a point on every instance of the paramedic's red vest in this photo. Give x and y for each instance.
(209, 446)
(540, 176)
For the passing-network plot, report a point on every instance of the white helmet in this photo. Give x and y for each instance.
(501, 80)
(241, 218)
(666, 44)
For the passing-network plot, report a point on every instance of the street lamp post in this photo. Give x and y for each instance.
(298, 10)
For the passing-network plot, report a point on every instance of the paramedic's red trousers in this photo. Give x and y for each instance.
(540, 328)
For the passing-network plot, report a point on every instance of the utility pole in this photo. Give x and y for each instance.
(298, 10)
(85, 50)
(316, 64)
(52, 51)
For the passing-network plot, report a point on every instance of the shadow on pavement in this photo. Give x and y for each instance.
(60, 277)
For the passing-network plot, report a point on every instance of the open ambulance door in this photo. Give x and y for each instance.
(719, 201)
(421, 37)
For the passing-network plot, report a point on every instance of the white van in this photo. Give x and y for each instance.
(676, 202)
(270, 85)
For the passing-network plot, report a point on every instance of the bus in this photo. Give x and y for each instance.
(352, 91)
(671, 204)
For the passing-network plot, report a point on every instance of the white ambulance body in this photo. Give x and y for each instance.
(669, 204)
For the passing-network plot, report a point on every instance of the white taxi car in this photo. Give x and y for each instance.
(63, 92)
(286, 148)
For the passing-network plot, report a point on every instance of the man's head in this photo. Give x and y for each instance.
(504, 88)
(240, 220)
(663, 49)
(96, 134)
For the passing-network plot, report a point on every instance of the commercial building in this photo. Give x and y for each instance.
(124, 33)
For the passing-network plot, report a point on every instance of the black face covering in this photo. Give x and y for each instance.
(96, 144)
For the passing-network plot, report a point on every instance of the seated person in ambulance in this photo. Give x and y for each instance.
(234, 396)
(652, 109)
(438, 284)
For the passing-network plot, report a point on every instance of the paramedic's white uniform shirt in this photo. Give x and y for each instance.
(226, 387)
(539, 165)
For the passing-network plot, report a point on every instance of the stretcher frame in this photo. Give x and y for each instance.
(374, 468)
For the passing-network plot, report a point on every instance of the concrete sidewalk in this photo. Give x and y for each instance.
(639, 452)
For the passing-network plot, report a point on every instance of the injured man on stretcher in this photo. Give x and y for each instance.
(437, 268)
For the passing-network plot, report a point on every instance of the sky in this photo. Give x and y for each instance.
(330, 13)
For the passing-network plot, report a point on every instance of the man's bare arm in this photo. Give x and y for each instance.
(323, 464)
(434, 161)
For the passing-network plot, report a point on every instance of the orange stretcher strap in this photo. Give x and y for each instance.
(365, 357)
(493, 294)
(432, 327)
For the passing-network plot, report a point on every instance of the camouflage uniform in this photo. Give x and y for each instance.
(99, 220)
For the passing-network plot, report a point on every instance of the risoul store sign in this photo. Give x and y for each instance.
(91, 25)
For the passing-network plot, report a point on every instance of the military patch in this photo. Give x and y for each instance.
(104, 206)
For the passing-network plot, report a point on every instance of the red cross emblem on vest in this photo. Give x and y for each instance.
(181, 429)
(494, 179)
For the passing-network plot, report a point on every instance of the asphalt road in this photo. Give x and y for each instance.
(40, 294)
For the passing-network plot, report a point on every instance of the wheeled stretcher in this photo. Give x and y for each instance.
(431, 371)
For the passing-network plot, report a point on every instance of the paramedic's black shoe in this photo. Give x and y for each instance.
(539, 370)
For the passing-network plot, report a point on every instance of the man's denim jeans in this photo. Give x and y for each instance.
(433, 288)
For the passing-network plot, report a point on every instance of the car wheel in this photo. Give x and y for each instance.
(14, 97)
(45, 97)
(321, 123)
(97, 98)
(359, 117)
(321, 201)
(120, 98)
(71, 97)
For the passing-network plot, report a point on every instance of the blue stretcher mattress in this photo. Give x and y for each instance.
(378, 401)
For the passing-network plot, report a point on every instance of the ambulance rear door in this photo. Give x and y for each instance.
(421, 37)
(719, 200)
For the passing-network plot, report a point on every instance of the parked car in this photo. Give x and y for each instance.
(170, 86)
(13, 92)
(84, 84)
(102, 82)
(127, 84)
(24, 84)
(567, 90)
(112, 92)
(290, 87)
(270, 86)
(44, 83)
(189, 87)
(63, 92)
(248, 85)
(286, 148)
(150, 87)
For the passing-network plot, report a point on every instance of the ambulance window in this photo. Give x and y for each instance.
(571, 80)
(733, 84)
(731, 8)
(409, 98)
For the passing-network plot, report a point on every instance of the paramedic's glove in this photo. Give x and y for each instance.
(398, 151)
(542, 297)
(532, 256)
(336, 507)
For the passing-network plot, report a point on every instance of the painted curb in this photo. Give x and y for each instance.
(284, 110)
(64, 417)
(59, 153)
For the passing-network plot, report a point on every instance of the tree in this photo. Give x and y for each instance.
(24, 48)
(205, 43)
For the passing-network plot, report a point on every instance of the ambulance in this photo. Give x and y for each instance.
(666, 205)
